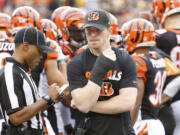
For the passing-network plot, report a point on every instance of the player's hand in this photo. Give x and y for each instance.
(109, 53)
(53, 92)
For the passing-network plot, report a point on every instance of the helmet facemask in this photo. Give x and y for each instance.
(77, 36)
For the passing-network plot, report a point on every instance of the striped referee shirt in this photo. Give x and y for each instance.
(18, 90)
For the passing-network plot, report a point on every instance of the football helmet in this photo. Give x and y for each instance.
(25, 16)
(49, 28)
(114, 24)
(72, 19)
(160, 7)
(169, 13)
(114, 38)
(5, 23)
(56, 18)
(138, 33)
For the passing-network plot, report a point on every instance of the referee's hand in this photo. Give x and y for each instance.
(52, 91)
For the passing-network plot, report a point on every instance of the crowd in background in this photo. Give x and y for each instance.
(123, 9)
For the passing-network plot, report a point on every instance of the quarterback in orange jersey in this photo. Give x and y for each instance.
(139, 38)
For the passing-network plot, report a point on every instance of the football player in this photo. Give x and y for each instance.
(72, 20)
(139, 38)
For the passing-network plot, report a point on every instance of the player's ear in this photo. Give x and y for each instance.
(110, 30)
(25, 46)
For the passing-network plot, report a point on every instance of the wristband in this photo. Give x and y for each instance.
(62, 89)
(100, 69)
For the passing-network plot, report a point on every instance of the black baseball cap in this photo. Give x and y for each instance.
(97, 18)
(32, 36)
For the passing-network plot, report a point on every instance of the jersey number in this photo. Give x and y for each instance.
(3, 56)
(175, 55)
(159, 81)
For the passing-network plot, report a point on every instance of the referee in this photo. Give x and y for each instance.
(21, 104)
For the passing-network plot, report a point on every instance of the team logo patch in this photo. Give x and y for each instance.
(93, 16)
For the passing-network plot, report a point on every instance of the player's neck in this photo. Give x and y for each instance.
(18, 57)
(98, 51)
(142, 50)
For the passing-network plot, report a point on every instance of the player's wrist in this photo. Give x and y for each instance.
(48, 99)
(100, 69)
(94, 84)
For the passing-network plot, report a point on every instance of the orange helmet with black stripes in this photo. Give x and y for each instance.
(138, 33)
(56, 18)
(114, 24)
(49, 28)
(72, 19)
(5, 23)
(25, 16)
(160, 7)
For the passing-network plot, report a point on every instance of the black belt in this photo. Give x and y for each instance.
(12, 130)
(35, 131)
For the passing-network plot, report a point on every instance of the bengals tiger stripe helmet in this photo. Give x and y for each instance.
(138, 33)
(114, 37)
(72, 19)
(56, 18)
(25, 16)
(113, 24)
(49, 28)
(160, 7)
(5, 23)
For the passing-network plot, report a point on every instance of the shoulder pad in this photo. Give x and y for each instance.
(141, 66)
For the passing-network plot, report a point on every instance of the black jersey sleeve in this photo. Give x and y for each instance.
(129, 71)
(75, 73)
